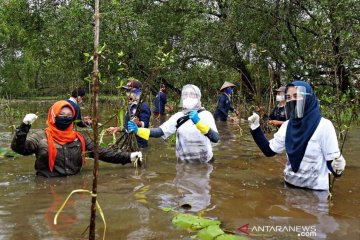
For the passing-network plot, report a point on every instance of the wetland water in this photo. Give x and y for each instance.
(240, 187)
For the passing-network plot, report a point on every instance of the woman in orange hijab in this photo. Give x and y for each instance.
(60, 151)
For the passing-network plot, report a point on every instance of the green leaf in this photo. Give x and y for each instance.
(230, 237)
(189, 221)
(102, 48)
(121, 117)
(210, 232)
(168, 209)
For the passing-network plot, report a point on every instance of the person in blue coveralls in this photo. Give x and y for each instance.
(309, 140)
(76, 99)
(143, 118)
(224, 103)
(160, 102)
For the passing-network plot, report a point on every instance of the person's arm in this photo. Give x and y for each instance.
(21, 143)
(203, 127)
(259, 136)
(276, 123)
(262, 142)
(165, 130)
(145, 133)
(80, 123)
(213, 136)
(145, 115)
(330, 148)
(337, 166)
(107, 154)
(156, 132)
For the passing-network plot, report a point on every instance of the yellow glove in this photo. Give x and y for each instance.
(143, 133)
(204, 129)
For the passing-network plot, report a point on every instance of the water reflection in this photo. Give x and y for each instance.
(305, 207)
(190, 189)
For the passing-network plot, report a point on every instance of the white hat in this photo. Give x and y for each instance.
(226, 85)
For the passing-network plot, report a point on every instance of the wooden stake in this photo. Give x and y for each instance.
(95, 120)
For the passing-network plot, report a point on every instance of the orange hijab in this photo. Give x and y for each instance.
(60, 136)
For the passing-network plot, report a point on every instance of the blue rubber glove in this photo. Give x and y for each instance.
(194, 116)
(132, 127)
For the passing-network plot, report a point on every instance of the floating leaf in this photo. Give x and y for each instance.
(6, 152)
(210, 232)
(189, 221)
(168, 209)
(230, 237)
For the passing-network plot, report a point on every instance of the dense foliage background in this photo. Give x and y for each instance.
(46, 45)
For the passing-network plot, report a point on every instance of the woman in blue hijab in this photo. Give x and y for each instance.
(309, 140)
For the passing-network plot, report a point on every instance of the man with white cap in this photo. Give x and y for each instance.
(194, 127)
(224, 103)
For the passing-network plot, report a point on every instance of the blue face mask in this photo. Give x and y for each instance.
(63, 123)
(228, 91)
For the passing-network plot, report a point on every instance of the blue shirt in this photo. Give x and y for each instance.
(144, 116)
(159, 103)
(223, 108)
(278, 113)
(77, 117)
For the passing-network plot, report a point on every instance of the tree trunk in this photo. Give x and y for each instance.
(95, 120)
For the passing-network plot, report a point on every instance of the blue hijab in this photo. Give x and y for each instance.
(300, 130)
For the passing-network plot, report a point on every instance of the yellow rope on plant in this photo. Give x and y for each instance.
(97, 205)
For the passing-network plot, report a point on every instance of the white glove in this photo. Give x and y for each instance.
(254, 121)
(136, 158)
(29, 118)
(338, 165)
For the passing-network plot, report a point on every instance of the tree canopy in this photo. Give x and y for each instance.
(46, 45)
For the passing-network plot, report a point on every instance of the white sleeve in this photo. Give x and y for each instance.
(277, 144)
(329, 142)
(169, 127)
(208, 119)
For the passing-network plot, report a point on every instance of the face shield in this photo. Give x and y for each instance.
(295, 97)
(190, 97)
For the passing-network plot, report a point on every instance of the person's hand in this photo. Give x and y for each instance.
(338, 165)
(275, 123)
(132, 127)
(136, 159)
(137, 121)
(30, 118)
(194, 116)
(254, 121)
(112, 130)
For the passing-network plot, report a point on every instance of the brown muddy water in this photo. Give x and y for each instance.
(240, 187)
